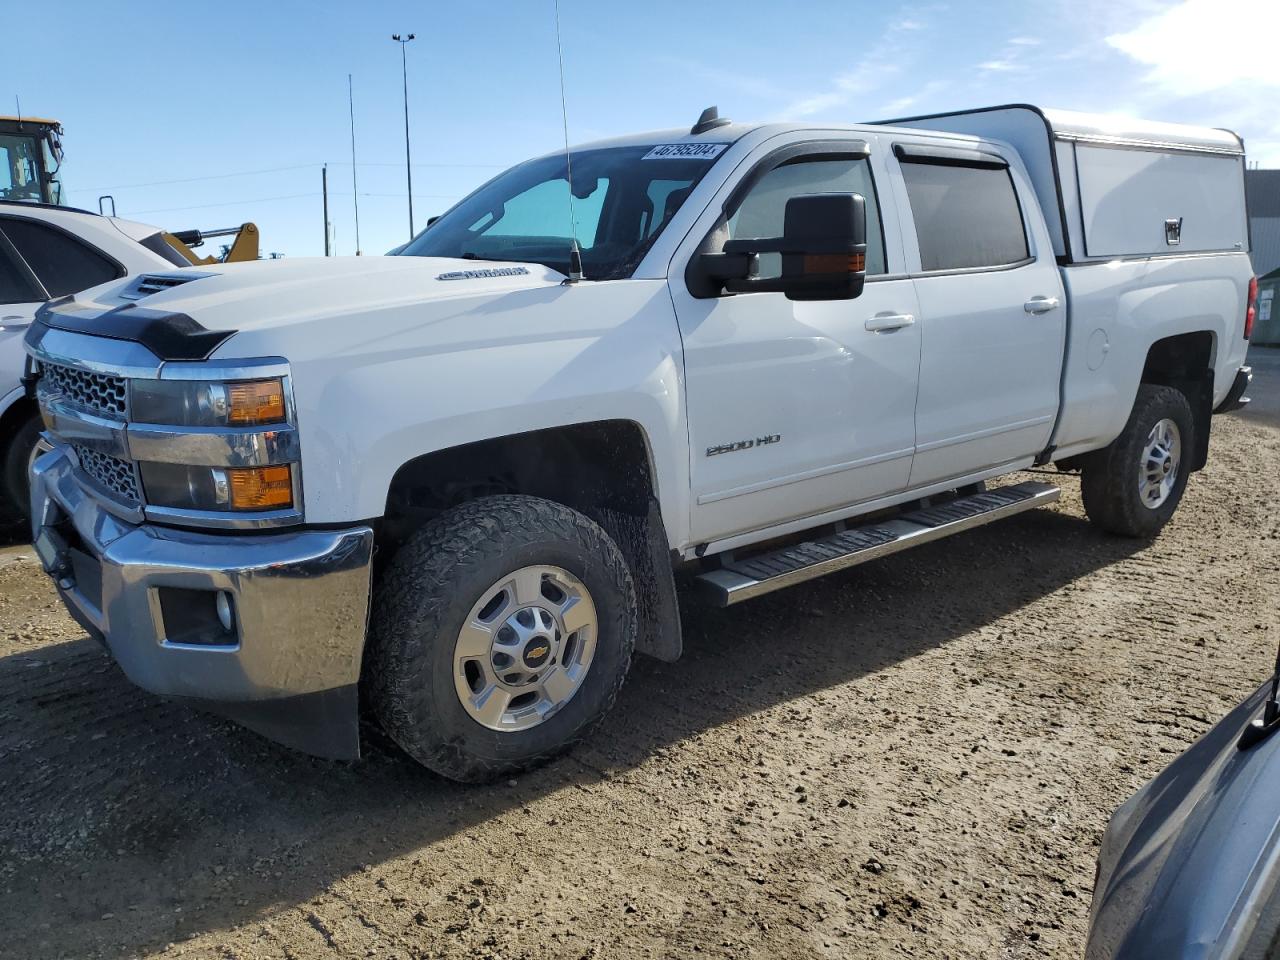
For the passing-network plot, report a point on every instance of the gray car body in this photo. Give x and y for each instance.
(1189, 864)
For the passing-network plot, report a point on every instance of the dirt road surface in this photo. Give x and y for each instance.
(915, 758)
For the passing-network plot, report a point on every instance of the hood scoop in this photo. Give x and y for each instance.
(150, 283)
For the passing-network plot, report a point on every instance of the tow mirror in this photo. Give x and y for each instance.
(823, 248)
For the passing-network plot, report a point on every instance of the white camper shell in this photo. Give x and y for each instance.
(1119, 188)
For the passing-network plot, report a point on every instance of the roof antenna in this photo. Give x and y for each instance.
(708, 120)
(575, 254)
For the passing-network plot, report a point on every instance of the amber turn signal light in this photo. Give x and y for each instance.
(255, 401)
(835, 262)
(260, 488)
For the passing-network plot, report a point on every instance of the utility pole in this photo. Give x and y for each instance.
(408, 166)
(324, 190)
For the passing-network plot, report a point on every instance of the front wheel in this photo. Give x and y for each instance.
(1133, 486)
(501, 634)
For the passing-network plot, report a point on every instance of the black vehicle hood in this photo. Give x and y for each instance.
(1188, 863)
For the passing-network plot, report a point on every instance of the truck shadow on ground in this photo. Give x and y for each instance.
(175, 822)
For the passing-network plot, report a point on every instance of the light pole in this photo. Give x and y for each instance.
(408, 167)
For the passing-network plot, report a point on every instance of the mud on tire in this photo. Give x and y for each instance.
(1110, 483)
(425, 596)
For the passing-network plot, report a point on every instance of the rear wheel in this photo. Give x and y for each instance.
(15, 462)
(501, 634)
(1133, 486)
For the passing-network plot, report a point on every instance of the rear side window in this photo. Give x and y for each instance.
(15, 283)
(965, 216)
(63, 263)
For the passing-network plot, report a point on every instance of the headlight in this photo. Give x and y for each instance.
(215, 446)
(218, 488)
(205, 403)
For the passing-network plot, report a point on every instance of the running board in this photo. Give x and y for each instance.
(738, 580)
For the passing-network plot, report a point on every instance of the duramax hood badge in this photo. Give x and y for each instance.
(484, 274)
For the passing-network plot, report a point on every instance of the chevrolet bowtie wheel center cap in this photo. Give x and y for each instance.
(525, 648)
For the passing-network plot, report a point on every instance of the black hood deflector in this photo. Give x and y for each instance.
(170, 336)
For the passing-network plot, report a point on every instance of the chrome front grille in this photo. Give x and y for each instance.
(100, 393)
(111, 473)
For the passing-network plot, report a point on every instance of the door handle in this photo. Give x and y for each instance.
(883, 322)
(1040, 304)
(16, 322)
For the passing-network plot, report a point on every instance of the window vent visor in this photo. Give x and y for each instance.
(949, 156)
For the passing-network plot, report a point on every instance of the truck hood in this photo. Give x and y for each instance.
(265, 294)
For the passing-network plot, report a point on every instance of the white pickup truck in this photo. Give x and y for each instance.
(454, 485)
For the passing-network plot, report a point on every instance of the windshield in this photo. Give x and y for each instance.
(622, 198)
(19, 168)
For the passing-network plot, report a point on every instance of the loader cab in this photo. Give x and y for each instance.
(31, 160)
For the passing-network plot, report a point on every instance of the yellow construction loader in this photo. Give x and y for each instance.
(30, 172)
(30, 159)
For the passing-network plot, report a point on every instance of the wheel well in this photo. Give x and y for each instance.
(603, 470)
(1175, 360)
(1185, 362)
(589, 467)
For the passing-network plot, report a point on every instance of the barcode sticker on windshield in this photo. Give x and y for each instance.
(685, 151)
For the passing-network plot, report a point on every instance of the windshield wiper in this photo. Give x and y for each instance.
(1262, 727)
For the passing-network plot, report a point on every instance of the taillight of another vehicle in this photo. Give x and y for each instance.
(1251, 308)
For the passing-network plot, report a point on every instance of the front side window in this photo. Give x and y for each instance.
(965, 216)
(763, 210)
(63, 263)
(622, 197)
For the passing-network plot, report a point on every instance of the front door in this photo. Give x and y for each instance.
(797, 408)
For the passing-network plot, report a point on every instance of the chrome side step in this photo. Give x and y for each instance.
(739, 580)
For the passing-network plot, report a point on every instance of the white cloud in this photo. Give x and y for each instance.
(897, 43)
(717, 77)
(900, 106)
(1000, 66)
(1200, 46)
(1210, 62)
(844, 88)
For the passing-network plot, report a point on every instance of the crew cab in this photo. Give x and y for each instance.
(453, 486)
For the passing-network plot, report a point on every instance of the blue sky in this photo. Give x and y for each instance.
(244, 101)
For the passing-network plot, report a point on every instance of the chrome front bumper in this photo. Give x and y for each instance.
(290, 665)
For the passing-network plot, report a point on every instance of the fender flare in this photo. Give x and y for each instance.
(10, 398)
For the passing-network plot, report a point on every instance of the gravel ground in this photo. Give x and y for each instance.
(915, 758)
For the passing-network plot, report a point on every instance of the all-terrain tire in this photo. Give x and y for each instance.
(428, 590)
(1110, 478)
(15, 459)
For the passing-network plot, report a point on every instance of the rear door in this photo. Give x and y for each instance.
(992, 309)
(20, 294)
